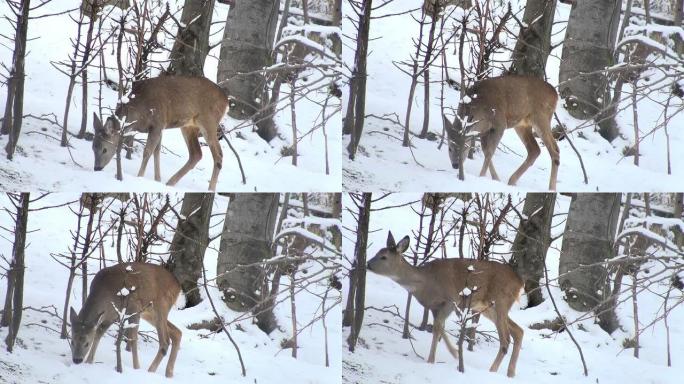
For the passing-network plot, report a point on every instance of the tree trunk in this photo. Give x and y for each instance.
(588, 47)
(246, 241)
(356, 107)
(360, 270)
(531, 243)
(15, 276)
(246, 47)
(192, 41)
(14, 105)
(534, 41)
(189, 244)
(588, 239)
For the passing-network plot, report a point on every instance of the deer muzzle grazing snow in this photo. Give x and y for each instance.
(524, 103)
(122, 294)
(446, 285)
(194, 104)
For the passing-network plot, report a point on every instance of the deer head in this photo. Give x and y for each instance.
(389, 259)
(106, 140)
(82, 335)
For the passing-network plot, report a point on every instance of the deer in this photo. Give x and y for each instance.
(144, 291)
(442, 285)
(490, 106)
(195, 104)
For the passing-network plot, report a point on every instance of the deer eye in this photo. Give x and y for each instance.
(383, 257)
(104, 150)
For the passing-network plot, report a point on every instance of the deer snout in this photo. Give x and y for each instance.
(98, 168)
(454, 165)
(77, 361)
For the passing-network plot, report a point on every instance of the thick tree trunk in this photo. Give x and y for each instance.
(360, 270)
(192, 41)
(14, 111)
(531, 243)
(15, 277)
(588, 239)
(588, 47)
(246, 47)
(246, 241)
(534, 41)
(189, 244)
(356, 107)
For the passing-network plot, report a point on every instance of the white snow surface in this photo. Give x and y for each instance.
(40, 356)
(382, 356)
(392, 41)
(41, 164)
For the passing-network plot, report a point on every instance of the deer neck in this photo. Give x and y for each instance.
(409, 277)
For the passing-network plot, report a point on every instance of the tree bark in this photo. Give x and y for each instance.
(192, 41)
(588, 239)
(14, 106)
(15, 277)
(189, 244)
(534, 40)
(532, 242)
(360, 270)
(246, 242)
(588, 47)
(246, 47)
(356, 106)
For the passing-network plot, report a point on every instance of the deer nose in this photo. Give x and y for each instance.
(77, 361)
(97, 168)
(454, 165)
(368, 267)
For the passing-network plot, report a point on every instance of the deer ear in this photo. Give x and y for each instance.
(97, 123)
(403, 244)
(390, 240)
(73, 316)
(447, 123)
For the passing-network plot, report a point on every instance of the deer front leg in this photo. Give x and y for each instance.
(157, 171)
(101, 329)
(153, 140)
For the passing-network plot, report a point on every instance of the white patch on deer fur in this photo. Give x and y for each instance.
(181, 301)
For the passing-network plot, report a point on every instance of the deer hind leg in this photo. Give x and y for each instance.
(524, 131)
(216, 153)
(517, 334)
(544, 130)
(501, 323)
(194, 153)
(153, 141)
(163, 335)
(175, 335)
(157, 171)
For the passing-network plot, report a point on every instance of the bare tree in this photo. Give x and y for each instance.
(189, 244)
(192, 41)
(589, 239)
(245, 243)
(534, 39)
(245, 50)
(358, 274)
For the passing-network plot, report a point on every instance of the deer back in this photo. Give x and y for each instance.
(487, 281)
(509, 100)
(149, 288)
(174, 101)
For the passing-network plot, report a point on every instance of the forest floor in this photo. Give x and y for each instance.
(40, 356)
(425, 167)
(382, 356)
(41, 164)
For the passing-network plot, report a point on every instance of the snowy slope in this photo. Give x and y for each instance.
(40, 356)
(41, 164)
(392, 41)
(382, 356)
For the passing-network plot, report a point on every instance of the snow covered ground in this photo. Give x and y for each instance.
(382, 356)
(41, 164)
(40, 356)
(392, 41)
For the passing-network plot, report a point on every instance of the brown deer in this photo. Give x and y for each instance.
(442, 286)
(512, 101)
(143, 290)
(194, 104)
